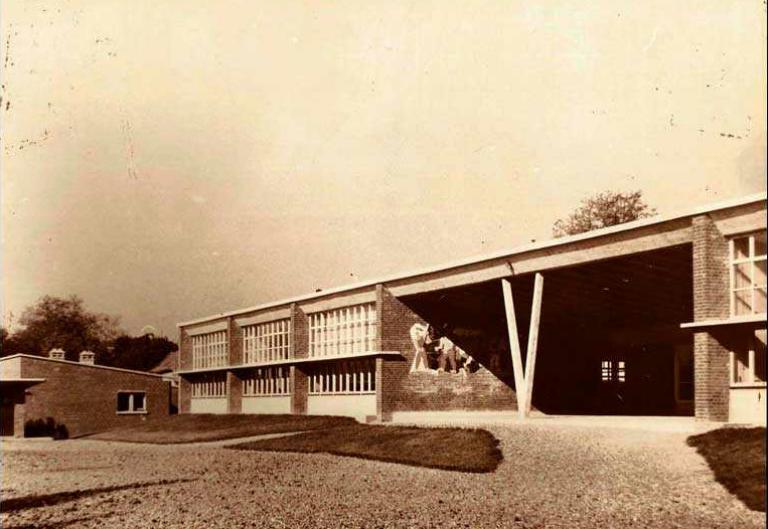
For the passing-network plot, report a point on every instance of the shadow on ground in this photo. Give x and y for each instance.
(737, 457)
(29, 502)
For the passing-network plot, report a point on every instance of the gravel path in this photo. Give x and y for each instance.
(552, 476)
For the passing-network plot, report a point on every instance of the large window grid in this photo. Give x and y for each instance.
(748, 274)
(212, 385)
(269, 381)
(210, 350)
(351, 377)
(347, 330)
(266, 342)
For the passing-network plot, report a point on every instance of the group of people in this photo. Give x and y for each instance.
(437, 353)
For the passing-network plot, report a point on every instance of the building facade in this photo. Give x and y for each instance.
(70, 399)
(663, 316)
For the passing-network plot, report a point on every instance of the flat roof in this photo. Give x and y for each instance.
(70, 362)
(549, 243)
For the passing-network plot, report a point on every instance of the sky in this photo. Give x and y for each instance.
(166, 160)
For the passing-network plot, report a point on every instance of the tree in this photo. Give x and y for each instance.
(65, 323)
(141, 353)
(604, 209)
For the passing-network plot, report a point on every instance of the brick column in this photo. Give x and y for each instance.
(185, 395)
(184, 362)
(710, 301)
(234, 393)
(234, 382)
(300, 349)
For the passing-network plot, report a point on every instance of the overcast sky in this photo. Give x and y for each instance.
(167, 160)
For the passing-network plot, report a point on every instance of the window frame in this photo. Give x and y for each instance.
(751, 347)
(348, 330)
(210, 386)
(352, 377)
(132, 410)
(210, 350)
(272, 381)
(268, 341)
(615, 370)
(752, 259)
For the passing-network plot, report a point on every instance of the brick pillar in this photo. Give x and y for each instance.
(235, 337)
(234, 382)
(234, 393)
(710, 301)
(185, 351)
(300, 386)
(185, 395)
(300, 349)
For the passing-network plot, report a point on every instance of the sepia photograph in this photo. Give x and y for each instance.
(414, 264)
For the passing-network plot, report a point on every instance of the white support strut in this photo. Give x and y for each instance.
(514, 347)
(523, 378)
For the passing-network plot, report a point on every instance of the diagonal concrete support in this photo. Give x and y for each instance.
(523, 380)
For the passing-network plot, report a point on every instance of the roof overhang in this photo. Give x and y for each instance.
(754, 321)
(20, 382)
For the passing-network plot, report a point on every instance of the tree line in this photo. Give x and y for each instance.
(65, 323)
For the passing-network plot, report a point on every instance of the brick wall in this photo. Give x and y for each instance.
(710, 301)
(84, 398)
(402, 390)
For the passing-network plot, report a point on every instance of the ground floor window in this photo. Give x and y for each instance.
(613, 371)
(748, 360)
(131, 402)
(210, 385)
(357, 376)
(267, 381)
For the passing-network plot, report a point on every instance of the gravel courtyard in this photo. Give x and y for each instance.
(552, 476)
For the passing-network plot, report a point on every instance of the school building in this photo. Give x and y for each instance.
(661, 316)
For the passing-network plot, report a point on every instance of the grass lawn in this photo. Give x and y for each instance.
(188, 428)
(737, 457)
(444, 448)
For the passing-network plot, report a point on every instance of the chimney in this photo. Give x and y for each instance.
(56, 354)
(87, 357)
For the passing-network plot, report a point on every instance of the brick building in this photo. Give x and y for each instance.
(75, 398)
(662, 316)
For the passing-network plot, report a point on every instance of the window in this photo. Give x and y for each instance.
(748, 259)
(347, 330)
(210, 350)
(213, 385)
(354, 377)
(748, 361)
(131, 402)
(267, 382)
(266, 342)
(613, 371)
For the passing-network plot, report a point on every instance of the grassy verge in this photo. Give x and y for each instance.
(188, 428)
(737, 457)
(444, 448)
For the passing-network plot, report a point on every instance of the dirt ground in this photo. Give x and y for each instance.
(552, 476)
